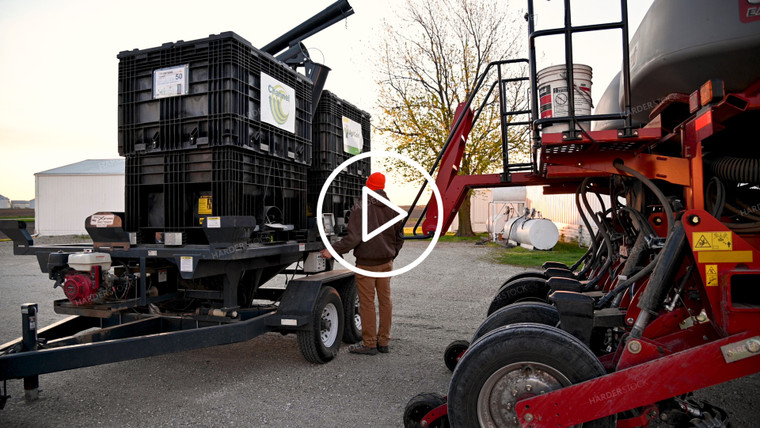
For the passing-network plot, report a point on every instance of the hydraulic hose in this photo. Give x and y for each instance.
(737, 170)
(605, 235)
(662, 276)
(650, 267)
(586, 255)
(656, 190)
(595, 240)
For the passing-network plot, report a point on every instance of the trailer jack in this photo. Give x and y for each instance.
(4, 396)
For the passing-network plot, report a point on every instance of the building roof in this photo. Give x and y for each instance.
(4, 198)
(89, 167)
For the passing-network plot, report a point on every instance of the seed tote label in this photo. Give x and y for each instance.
(278, 103)
(352, 137)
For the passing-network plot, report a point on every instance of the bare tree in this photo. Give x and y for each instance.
(432, 59)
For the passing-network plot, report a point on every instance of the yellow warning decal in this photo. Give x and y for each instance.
(204, 205)
(712, 241)
(711, 275)
(724, 257)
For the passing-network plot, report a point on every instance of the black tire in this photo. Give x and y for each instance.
(321, 341)
(521, 290)
(523, 275)
(454, 352)
(352, 330)
(535, 312)
(419, 406)
(549, 357)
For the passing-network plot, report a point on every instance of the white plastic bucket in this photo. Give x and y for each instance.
(553, 97)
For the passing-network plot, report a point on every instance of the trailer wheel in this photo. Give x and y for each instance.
(321, 341)
(419, 406)
(453, 353)
(352, 332)
(521, 290)
(535, 312)
(513, 363)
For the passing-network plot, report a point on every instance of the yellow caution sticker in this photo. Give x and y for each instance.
(204, 205)
(711, 275)
(712, 241)
(724, 256)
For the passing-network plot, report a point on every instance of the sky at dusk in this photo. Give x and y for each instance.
(58, 65)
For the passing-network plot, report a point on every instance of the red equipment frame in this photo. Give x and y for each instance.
(670, 358)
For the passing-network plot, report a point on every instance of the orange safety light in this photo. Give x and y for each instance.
(711, 92)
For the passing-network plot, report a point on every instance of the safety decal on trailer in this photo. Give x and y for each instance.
(712, 241)
(214, 222)
(205, 205)
(711, 275)
(186, 264)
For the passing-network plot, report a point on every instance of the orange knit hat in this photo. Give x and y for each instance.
(376, 181)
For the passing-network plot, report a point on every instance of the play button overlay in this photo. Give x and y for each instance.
(366, 191)
(366, 235)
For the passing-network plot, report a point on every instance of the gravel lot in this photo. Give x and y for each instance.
(266, 381)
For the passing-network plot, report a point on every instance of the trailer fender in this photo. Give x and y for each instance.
(300, 296)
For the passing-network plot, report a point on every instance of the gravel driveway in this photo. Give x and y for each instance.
(266, 382)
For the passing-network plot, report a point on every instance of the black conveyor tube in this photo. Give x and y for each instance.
(332, 14)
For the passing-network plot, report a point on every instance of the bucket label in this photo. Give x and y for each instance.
(170, 81)
(582, 101)
(353, 143)
(278, 103)
(545, 101)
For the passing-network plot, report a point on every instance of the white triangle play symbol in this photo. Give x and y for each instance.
(401, 214)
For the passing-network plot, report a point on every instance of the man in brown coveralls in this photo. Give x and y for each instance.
(375, 255)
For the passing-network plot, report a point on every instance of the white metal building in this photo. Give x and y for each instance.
(4, 202)
(66, 196)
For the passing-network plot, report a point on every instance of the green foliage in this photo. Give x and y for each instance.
(519, 256)
(431, 61)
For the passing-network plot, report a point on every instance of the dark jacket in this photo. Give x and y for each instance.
(381, 248)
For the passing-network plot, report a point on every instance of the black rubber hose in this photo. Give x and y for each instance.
(737, 170)
(656, 190)
(583, 215)
(666, 268)
(595, 239)
(603, 230)
(588, 255)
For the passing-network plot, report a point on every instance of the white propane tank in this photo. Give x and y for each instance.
(532, 233)
(83, 262)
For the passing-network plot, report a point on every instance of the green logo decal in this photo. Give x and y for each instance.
(279, 103)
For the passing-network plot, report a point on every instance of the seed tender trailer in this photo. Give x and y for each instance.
(227, 148)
